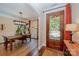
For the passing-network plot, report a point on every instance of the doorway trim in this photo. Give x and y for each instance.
(62, 27)
(37, 31)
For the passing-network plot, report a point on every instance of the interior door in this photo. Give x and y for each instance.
(55, 30)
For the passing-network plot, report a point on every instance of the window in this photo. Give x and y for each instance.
(54, 31)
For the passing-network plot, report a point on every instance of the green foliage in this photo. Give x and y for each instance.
(54, 23)
(21, 29)
(18, 31)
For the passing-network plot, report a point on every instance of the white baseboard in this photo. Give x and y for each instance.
(41, 46)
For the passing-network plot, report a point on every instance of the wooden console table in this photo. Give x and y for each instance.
(11, 39)
(73, 49)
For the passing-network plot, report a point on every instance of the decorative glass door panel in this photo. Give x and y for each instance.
(54, 27)
(55, 30)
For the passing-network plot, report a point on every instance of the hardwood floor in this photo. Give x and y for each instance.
(29, 49)
(52, 52)
(45, 51)
(19, 49)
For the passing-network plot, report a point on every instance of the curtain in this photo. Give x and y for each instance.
(67, 35)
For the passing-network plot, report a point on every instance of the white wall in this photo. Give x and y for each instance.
(33, 30)
(8, 27)
(41, 24)
(75, 19)
(75, 12)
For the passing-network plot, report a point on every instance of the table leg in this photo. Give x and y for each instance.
(11, 46)
(5, 46)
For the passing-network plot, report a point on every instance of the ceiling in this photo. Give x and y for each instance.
(43, 6)
(13, 9)
(29, 10)
(46, 6)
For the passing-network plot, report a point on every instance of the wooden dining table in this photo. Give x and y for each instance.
(12, 39)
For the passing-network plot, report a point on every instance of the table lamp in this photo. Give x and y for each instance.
(72, 28)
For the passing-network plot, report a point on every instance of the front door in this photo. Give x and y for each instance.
(55, 30)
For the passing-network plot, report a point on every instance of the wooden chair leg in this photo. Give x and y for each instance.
(5, 45)
(30, 38)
